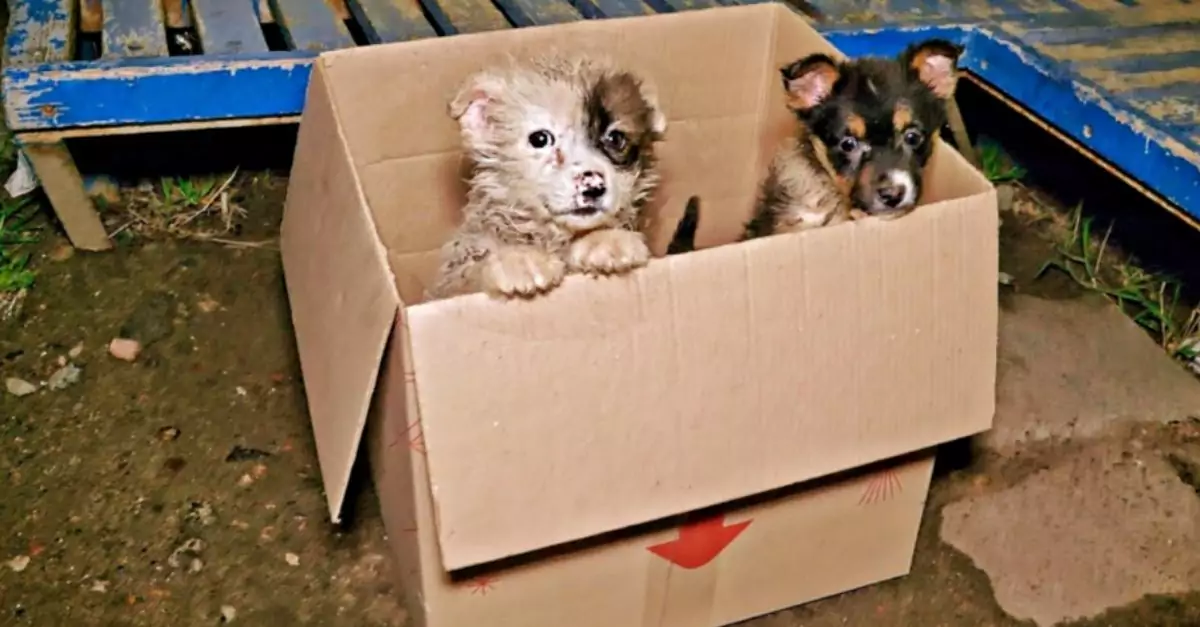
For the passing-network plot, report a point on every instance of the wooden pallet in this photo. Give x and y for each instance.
(1117, 78)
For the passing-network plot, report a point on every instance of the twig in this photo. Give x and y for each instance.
(1103, 245)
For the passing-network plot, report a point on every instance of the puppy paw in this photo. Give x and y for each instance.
(859, 214)
(513, 272)
(610, 251)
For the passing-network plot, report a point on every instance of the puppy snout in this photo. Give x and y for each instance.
(591, 185)
(891, 194)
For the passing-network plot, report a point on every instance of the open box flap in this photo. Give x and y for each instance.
(612, 403)
(342, 295)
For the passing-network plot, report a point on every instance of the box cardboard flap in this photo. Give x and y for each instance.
(611, 403)
(341, 291)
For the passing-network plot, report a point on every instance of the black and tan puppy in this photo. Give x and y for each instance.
(867, 130)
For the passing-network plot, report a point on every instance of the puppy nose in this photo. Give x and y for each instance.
(591, 185)
(891, 194)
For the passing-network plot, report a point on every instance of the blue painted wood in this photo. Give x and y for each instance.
(229, 27)
(155, 90)
(392, 20)
(1058, 36)
(1152, 62)
(622, 8)
(133, 28)
(39, 31)
(452, 17)
(310, 25)
(537, 12)
(1092, 117)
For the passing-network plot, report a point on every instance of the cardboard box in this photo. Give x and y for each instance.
(683, 446)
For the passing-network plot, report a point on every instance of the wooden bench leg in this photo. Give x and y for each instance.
(64, 187)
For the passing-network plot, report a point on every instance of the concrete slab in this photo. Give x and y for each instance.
(1068, 368)
(1099, 529)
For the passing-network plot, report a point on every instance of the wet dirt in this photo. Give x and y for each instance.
(182, 488)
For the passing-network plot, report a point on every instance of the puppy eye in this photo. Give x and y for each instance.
(541, 139)
(616, 139)
(848, 144)
(913, 138)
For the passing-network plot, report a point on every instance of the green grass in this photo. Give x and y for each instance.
(1153, 301)
(180, 193)
(16, 217)
(996, 165)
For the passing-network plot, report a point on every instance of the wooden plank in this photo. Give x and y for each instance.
(134, 28)
(155, 91)
(392, 20)
(623, 8)
(1187, 216)
(39, 31)
(1164, 162)
(64, 187)
(312, 25)
(228, 27)
(452, 17)
(47, 137)
(538, 12)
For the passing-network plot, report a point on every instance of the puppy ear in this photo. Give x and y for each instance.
(934, 62)
(470, 106)
(809, 81)
(658, 119)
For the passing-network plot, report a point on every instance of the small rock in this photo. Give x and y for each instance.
(168, 434)
(19, 387)
(228, 613)
(201, 512)
(19, 563)
(241, 454)
(241, 391)
(191, 547)
(245, 480)
(62, 252)
(66, 376)
(124, 349)
(196, 566)
(99, 585)
(207, 304)
(259, 471)
(292, 559)
(75, 351)
(1006, 278)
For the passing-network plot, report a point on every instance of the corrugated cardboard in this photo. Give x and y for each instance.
(552, 445)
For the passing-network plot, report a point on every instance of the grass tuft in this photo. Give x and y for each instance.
(1153, 301)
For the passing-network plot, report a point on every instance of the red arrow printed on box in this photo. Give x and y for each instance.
(699, 543)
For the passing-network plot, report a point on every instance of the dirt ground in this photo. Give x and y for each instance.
(182, 488)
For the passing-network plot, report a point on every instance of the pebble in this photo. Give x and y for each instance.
(201, 512)
(61, 253)
(19, 387)
(64, 377)
(191, 546)
(228, 613)
(99, 585)
(75, 351)
(208, 305)
(168, 434)
(124, 349)
(292, 559)
(19, 563)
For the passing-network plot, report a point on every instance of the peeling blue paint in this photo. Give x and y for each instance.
(39, 31)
